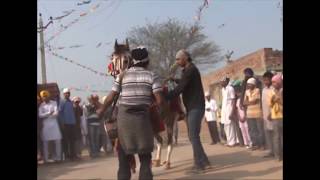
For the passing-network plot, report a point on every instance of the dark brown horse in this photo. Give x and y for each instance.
(172, 114)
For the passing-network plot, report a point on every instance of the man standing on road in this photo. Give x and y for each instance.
(48, 111)
(78, 111)
(268, 127)
(228, 112)
(248, 73)
(68, 125)
(39, 129)
(254, 114)
(210, 116)
(93, 125)
(276, 115)
(135, 134)
(193, 98)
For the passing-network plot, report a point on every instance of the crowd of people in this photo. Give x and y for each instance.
(250, 115)
(71, 126)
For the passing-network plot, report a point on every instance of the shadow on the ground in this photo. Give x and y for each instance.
(223, 161)
(233, 174)
(54, 170)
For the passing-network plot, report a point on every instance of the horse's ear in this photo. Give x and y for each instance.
(127, 43)
(116, 45)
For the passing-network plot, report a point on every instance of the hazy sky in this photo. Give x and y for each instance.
(249, 25)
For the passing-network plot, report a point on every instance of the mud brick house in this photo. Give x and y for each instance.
(260, 61)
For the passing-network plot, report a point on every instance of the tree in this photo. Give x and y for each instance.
(163, 40)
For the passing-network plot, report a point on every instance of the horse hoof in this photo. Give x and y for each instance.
(167, 166)
(156, 163)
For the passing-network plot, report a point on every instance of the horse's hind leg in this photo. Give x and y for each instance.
(170, 142)
(156, 162)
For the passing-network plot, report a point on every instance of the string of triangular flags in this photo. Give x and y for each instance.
(281, 8)
(100, 44)
(63, 28)
(51, 48)
(87, 89)
(204, 5)
(198, 16)
(83, 3)
(80, 65)
(66, 13)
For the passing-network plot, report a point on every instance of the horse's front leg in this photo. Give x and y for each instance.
(157, 162)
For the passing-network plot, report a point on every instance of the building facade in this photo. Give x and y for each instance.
(260, 61)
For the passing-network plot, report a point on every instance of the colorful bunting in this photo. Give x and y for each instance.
(72, 22)
(98, 45)
(221, 26)
(73, 62)
(83, 3)
(60, 17)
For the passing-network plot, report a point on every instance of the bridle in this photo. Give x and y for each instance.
(119, 63)
(120, 59)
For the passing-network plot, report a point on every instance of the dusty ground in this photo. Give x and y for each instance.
(228, 163)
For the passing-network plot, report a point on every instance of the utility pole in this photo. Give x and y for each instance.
(43, 62)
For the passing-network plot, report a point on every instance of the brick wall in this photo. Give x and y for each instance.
(260, 61)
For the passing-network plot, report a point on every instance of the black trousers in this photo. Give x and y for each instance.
(124, 171)
(69, 140)
(212, 125)
(239, 133)
(222, 133)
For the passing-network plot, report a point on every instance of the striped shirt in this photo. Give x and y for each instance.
(253, 111)
(138, 85)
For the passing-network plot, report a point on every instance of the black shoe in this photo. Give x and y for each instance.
(207, 166)
(195, 170)
(253, 148)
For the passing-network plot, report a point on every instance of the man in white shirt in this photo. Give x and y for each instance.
(228, 112)
(268, 126)
(48, 111)
(210, 116)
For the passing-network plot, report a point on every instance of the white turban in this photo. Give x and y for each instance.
(66, 90)
(251, 81)
(76, 98)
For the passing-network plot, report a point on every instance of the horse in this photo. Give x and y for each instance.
(121, 61)
(174, 113)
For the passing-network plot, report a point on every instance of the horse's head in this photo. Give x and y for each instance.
(120, 58)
